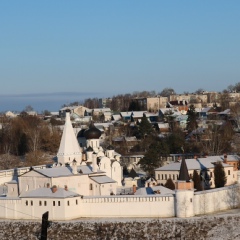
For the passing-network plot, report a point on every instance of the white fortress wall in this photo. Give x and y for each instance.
(128, 206)
(216, 199)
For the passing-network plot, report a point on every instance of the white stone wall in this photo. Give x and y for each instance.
(33, 208)
(216, 200)
(128, 206)
(121, 206)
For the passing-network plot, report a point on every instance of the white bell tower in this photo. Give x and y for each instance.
(69, 148)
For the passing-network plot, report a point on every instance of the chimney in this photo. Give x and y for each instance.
(66, 188)
(54, 189)
(225, 158)
(134, 189)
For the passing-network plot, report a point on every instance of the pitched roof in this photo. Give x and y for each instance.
(102, 179)
(152, 190)
(47, 193)
(193, 164)
(55, 172)
(69, 145)
(183, 174)
(133, 174)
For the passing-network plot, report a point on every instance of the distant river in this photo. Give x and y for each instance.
(43, 101)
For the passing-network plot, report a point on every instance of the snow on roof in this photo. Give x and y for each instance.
(126, 114)
(102, 179)
(129, 139)
(69, 144)
(233, 158)
(102, 109)
(55, 172)
(174, 112)
(138, 114)
(54, 113)
(47, 193)
(105, 125)
(227, 111)
(152, 190)
(205, 109)
(163, 125)
(151, 114)
(69, 107)
(116, 117)
(194, 164)
(84, 169)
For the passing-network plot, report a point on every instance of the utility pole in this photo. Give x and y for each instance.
(45, 225)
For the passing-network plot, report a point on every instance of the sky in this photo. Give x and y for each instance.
(55, 52)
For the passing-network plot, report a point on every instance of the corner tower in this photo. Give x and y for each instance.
(184, 193)
(69, 149)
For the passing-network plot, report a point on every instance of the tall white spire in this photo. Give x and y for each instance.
(69, 148)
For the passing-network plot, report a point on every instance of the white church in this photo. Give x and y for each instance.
(84, 182)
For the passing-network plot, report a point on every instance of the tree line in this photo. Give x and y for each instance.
(29, 136)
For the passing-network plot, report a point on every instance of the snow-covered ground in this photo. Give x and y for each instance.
(222, 225)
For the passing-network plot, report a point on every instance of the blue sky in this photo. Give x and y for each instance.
(111, 47)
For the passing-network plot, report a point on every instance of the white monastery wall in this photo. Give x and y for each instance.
(216, 200)
(33, 208)
(128, 206)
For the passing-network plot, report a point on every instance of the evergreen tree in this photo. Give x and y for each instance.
(150, 161)
(220, 178)
(175, 141)
(145, 127)
(192, 119)
(170, 184)
(157, 152)
(197, 181)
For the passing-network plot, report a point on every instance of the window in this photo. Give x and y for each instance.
(26, 203)
(68, 203)
(173, 176)
(59, 204)
(162, 176)
(31, 203)
(76, 202)
(90, 186)
(228, 172)
(158, 176)
(45, 203)
(54, 203)
(40, 203)
(165, 176)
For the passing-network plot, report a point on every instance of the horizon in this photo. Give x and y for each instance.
(52, 101)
